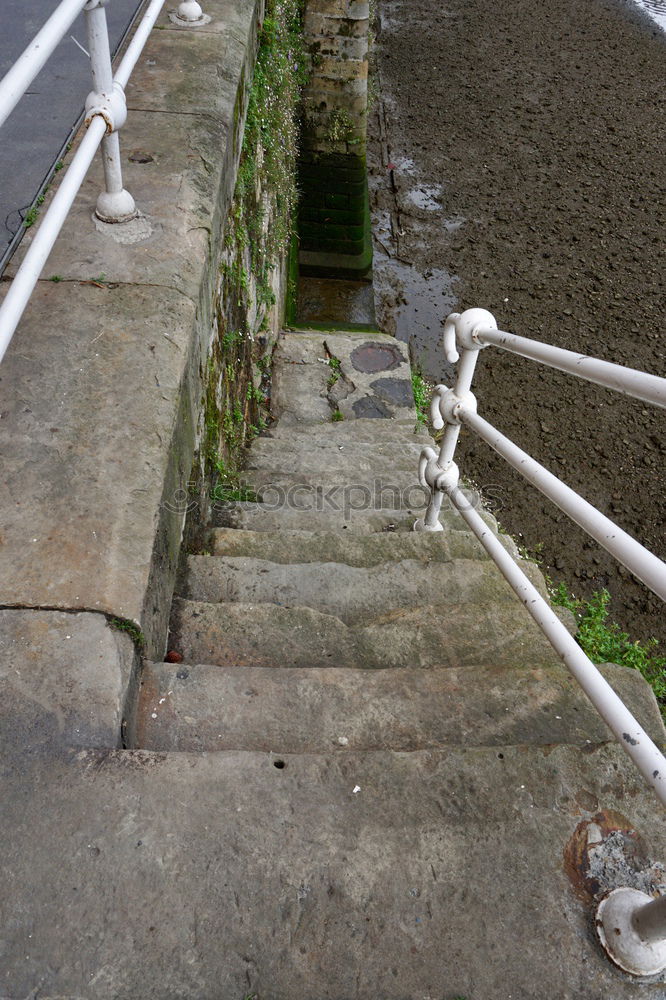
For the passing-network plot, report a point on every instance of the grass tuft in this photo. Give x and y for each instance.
(605, 642)
(421, 390)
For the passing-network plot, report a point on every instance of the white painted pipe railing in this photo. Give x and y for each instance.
(636, 919)
(628, 381)
(106, 112)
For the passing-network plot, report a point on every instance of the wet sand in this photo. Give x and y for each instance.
(517, 164)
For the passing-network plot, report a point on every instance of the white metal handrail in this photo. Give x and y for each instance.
(638, 921)
(106, 112)
(628, 381)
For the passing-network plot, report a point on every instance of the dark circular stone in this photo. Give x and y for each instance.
(371, 406)
(369, 358)
(394, 390)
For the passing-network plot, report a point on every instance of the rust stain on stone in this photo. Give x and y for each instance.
(587, 845)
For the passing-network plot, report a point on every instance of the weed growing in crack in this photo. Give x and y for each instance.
(421, 391)
(129, 628)
(336, 371)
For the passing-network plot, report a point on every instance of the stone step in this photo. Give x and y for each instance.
(440, 635)
(317, 512)
(461, 872)
(342, 547)
(351, 459)
(364, 466)
(201, 707)
(351, 593)
(362, 430)
(370, 490)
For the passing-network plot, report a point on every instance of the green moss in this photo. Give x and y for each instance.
(268, 155)
(257, 234)
(131, 629)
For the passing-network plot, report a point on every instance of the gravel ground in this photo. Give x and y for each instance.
(517, 164)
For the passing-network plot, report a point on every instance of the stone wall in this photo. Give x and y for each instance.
(333, 217)
(134, 370)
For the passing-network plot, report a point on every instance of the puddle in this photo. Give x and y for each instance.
(415, 306)
(656, 9)
(335, 301)
(428, 198)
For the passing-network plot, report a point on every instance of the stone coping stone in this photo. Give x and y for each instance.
(197, 707)
(65, 680)
(100, 389)
(438, 873)
(86, 444)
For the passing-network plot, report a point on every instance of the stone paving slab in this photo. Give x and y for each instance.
(197, 707)
(176, 193)
(374, 378)
(168, 876)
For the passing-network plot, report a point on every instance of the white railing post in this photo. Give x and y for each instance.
(632, 930)
(107, 99)
(189, 14)
(439, 473)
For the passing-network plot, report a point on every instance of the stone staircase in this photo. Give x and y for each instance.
(435, 761)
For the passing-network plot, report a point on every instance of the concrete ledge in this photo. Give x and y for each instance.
(100, 391)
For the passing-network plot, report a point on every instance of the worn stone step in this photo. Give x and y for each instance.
(201, 707)
(347, 468)
(353, 594)
(319, 512)
(370, 490)
(461, 872)
(439, 635)
(328, 455)
(362, 430)
(342, 547)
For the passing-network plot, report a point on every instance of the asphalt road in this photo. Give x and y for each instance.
(32, 137)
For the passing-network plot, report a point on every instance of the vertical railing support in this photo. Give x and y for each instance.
(632, 930)
(107, 99)
(189, 14)
(438, 472)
